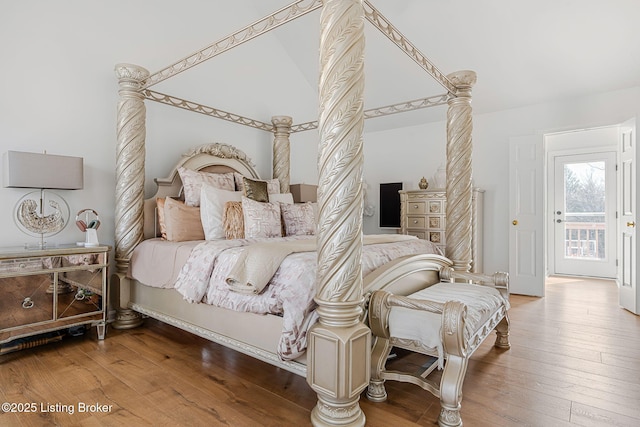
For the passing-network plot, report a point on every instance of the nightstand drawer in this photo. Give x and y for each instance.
(416, 207)
(24, 300)
(20, 265)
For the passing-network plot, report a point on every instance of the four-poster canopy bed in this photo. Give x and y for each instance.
(338, 354)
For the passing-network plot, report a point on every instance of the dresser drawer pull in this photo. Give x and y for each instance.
(415, 221)
(27, 303)
(415, 206)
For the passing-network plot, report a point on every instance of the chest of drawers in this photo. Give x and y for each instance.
(423, 214)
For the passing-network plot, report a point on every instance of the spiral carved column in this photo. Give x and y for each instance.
(459, 173)
(282, 151)
(339, 345)
(130, 153)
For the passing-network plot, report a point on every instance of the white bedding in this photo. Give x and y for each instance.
(157, 262)
(291, 290)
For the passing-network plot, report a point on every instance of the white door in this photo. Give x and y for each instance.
(526, 229)
(584, 214)
(628, 190)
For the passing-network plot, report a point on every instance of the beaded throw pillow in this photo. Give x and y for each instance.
(255, 189)
(273, 185)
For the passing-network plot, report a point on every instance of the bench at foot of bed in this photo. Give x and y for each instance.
(447, 321)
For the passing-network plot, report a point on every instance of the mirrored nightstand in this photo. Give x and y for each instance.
(50, 289)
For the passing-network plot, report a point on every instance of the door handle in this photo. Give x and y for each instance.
(631, 224)
(514, 222)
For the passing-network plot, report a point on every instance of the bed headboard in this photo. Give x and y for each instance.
(214, 158)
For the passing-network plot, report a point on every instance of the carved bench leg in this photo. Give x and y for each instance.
(455, 369)
(502, 333)
(381, 349)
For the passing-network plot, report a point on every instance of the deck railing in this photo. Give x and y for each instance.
(585, 236)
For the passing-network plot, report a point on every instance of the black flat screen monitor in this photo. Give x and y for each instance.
(390, 205)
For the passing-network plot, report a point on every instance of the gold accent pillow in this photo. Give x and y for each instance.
(273, 185)
(255, 189)
(182, 222)
(233, 220)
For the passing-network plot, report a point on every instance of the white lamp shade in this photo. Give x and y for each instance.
(36, 170)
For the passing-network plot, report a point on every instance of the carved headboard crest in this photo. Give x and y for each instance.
(224, 151)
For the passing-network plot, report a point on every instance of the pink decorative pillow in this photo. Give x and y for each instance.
(261, 219)
(299, 219)
(192, 183)
(182, 222)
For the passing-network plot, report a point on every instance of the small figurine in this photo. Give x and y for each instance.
(423, 184)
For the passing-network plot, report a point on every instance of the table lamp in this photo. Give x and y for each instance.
(42, 213)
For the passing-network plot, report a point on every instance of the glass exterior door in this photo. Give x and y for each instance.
(584, 215)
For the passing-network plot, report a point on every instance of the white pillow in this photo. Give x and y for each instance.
(261, 219)
(212, 202)
(281, 197)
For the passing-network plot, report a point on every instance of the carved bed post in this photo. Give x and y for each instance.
(339, 345)
(282, 151)
(130, 154)
(459, 189)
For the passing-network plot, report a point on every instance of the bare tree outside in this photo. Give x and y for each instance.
(585, 209)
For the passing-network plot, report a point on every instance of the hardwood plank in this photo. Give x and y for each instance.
(575, 360)
(590, 416)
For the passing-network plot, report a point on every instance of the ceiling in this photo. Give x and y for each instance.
(524, 53)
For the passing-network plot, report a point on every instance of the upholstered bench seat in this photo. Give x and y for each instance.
(423, 328)
(448, 320)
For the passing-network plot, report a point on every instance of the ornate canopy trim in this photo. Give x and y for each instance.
(251, 31)
(280, 17)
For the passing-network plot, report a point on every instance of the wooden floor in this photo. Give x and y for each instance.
(575, 360)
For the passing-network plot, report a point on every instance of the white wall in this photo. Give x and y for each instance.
(59, 90)
(408, 154)
(59, 94)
